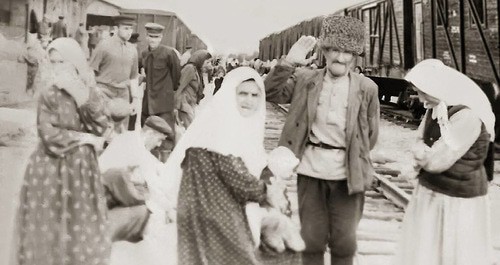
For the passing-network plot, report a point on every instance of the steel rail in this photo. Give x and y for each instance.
(392, 192)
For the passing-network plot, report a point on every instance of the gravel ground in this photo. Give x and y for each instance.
(393, 147)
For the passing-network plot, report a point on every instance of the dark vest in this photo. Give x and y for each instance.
(468, 177)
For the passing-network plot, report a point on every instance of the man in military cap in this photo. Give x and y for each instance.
(332, 126)
(133, 178)
(115, 62)
(162, 69)
(59, 29)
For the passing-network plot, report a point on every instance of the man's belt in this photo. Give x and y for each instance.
(325, 146)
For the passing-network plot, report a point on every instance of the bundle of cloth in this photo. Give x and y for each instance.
(278, 231)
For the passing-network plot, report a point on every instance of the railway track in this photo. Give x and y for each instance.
(384, 204)
(398, 116)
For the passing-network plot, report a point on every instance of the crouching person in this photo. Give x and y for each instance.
(131, 179)
(128, 213)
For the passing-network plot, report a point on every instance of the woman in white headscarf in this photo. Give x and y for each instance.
(62, 213)
(447, 220)
(217, 165)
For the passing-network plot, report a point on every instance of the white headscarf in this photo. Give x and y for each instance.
(221, 128)
(452, 88)
(71, 51)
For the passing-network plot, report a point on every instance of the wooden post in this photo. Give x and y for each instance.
(409, 43)
(433, 28)
(462, 37)
(27, 22)
(396, 32)
(475, 15)
(441, 13)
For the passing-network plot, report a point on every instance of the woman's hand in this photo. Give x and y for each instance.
(95, 141)
(419, 151)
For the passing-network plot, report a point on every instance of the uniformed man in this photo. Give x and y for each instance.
(163, 71)
(115, 62)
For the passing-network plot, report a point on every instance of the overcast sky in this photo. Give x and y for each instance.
(238, 25)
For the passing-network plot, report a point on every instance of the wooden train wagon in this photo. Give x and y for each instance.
(461, 33)
(401, 33)
(275, 45)
(196, 43)
(176, 33)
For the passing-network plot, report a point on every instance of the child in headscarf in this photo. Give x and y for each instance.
(62, 215)
(191, 86)
(447, 220)
(216, 164)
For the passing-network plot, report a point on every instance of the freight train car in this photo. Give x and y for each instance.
(461, 33)
(176, 34)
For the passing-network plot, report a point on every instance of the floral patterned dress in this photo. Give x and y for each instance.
(62, 215)
(211, 223)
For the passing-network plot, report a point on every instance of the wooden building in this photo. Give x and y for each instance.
(17, 15)
(176, 34)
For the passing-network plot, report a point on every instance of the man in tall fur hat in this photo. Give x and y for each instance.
(331, 127)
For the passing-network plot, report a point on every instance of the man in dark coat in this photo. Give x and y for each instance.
(331, 127)
(163, 70)
(59, 29)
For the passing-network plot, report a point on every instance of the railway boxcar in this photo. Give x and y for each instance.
(461, 33)
(176, 34)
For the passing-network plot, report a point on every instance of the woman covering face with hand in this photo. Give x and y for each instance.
(62, 214)
(447, 220)
(217, 164)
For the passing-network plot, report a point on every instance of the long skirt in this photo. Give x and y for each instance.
(62, 218)
(443, 230)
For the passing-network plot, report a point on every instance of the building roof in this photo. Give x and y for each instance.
(141, 7)
(158, 7)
